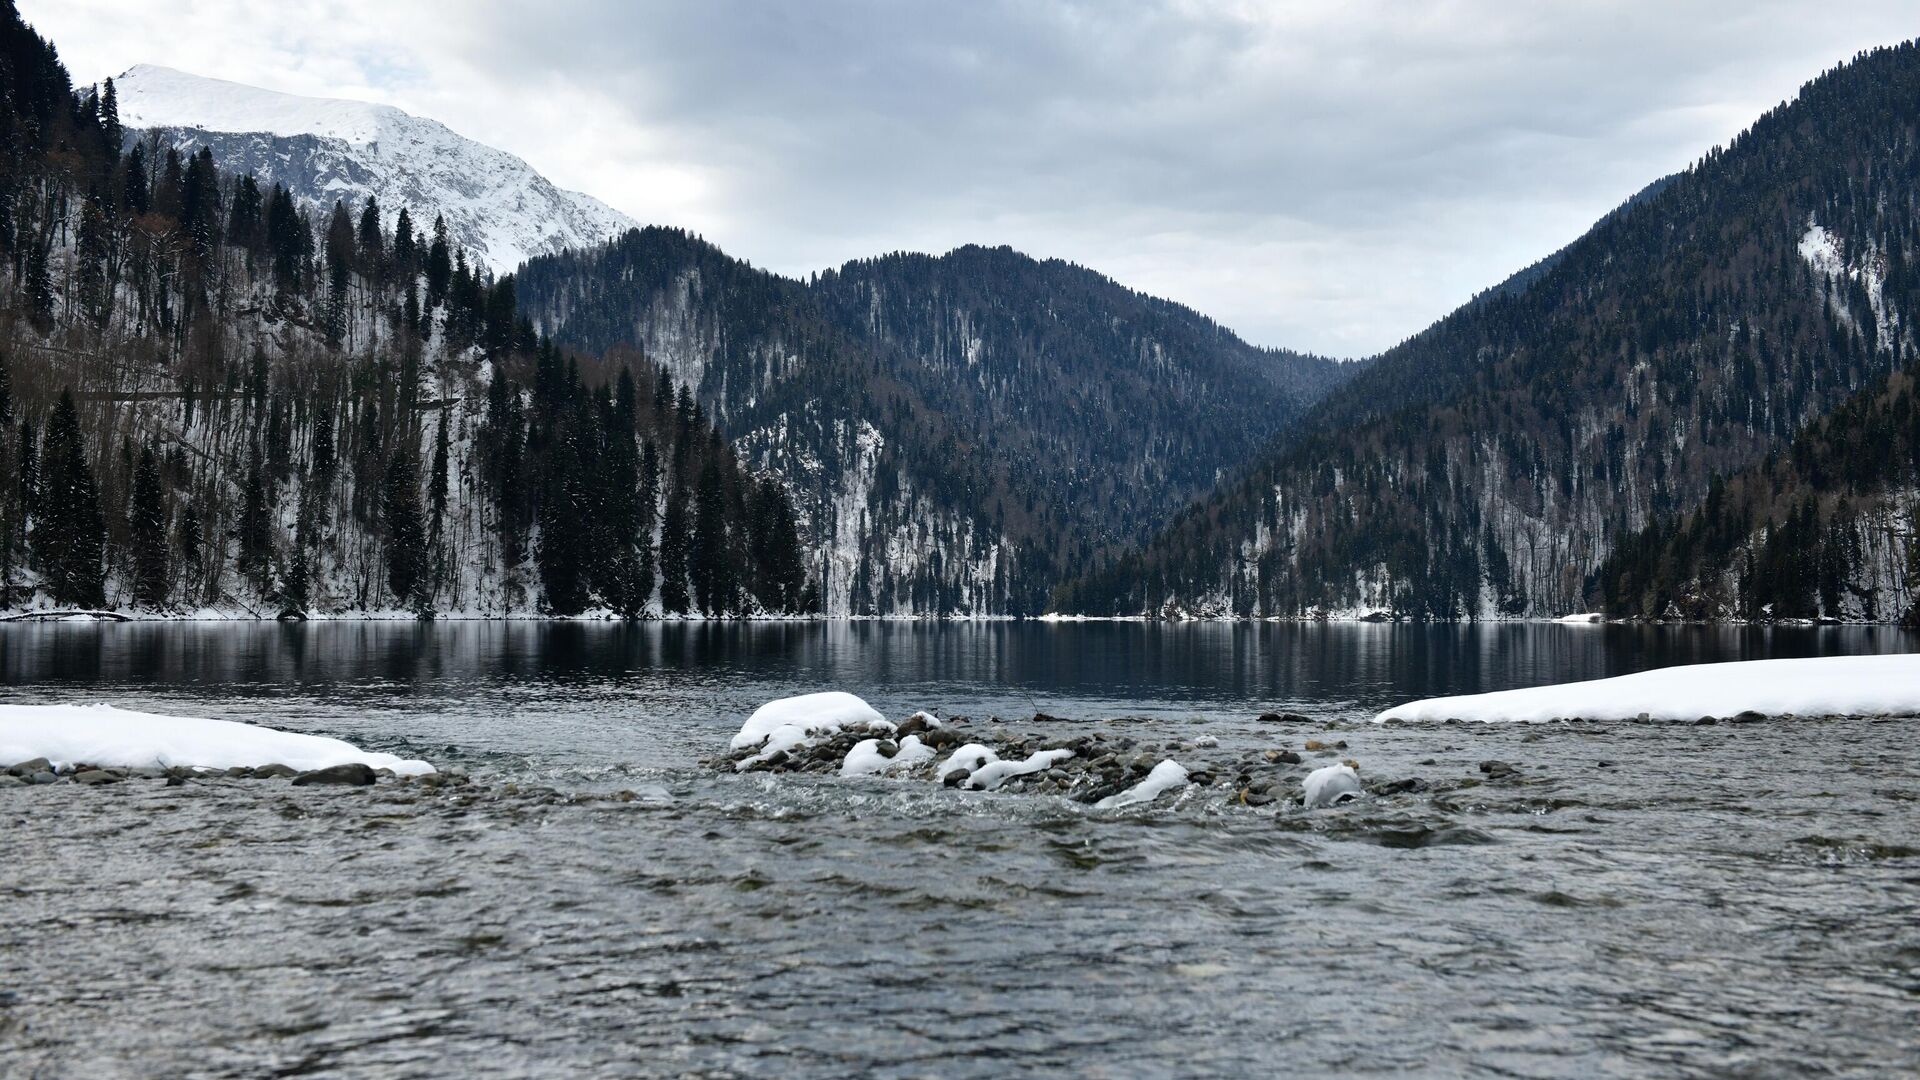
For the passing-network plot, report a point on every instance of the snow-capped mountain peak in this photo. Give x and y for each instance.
(496, 205)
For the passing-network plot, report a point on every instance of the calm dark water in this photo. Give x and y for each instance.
(1645, 900)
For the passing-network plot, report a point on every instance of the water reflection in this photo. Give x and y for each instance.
(1195, 663)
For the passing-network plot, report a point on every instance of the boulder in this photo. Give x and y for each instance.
(354, 774)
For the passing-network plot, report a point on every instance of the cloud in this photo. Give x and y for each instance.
(1328, 177)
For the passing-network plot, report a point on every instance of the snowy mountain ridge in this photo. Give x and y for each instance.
(498, 207)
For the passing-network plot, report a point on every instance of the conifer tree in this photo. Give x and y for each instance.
(439, 264)
(406, 533)
(437, 477)
(673, 552)
(69, 531)
(712, 564)
(147, 531)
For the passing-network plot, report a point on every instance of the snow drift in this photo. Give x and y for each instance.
(1817, 686)
(104, 735)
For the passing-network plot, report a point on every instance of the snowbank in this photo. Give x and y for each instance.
(1166, 776)
(810, 714)
(1819, 686)
(1582, 617)
(104, 735)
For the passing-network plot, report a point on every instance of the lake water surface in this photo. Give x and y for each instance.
(1643, 900)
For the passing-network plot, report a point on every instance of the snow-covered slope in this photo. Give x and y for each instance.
(497, 207)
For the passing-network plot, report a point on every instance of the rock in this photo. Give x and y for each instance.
(954, 777)
(912, 725)
(45, 776)
(1401, 787)
(1495, 770)
(1256, 798)
(1706, 721)
(274, 771)
(1284, 718)
(942, 738)
(95, 776)
(9, 780)
(1283, 757)
(354, 774)
(28, 768)
(1749, 717)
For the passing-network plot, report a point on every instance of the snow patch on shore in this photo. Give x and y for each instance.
(121, 738)
(1816, 686)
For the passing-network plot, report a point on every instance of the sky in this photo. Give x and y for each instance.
(1329, 177)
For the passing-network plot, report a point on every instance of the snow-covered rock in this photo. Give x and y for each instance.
(865, 759)
(1330, 785)
(808, 714)
(995, 773)
(1816, 686)
(497, 207)
(1167, 776)
(121, 738)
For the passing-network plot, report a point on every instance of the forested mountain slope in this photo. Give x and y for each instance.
(1488, 465)
(214, 401)
(1829, 529)
(958, 431)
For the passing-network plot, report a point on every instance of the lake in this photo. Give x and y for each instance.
(1642, 899)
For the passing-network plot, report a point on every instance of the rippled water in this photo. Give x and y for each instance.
(1642, 900)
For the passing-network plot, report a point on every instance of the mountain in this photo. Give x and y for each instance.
(214, 402)
(496, 206)
(1828, 529)
(1487, 466)
(959, 431)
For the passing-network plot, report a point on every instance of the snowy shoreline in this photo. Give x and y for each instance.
(1869, 685)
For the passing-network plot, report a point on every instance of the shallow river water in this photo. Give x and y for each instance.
(1641, 900)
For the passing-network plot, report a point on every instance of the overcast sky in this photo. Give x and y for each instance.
(1321, 176)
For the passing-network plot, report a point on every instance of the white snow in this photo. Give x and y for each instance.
(1821, 250)
(1166, 776)
(971, 757)
(121, 738)
(496, 205)
(865, 759)
(1330, 786)
(995, 773)
(810, 714)
(1818, 686)
(1582, 617)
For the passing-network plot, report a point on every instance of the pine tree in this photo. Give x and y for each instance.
(147, 530)
(648, 503)
(673, 552)
(712, 564)
(69, 532)
(437, 478)
(406, 533)
(112, 134)
(439, 265)
(256, 515)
